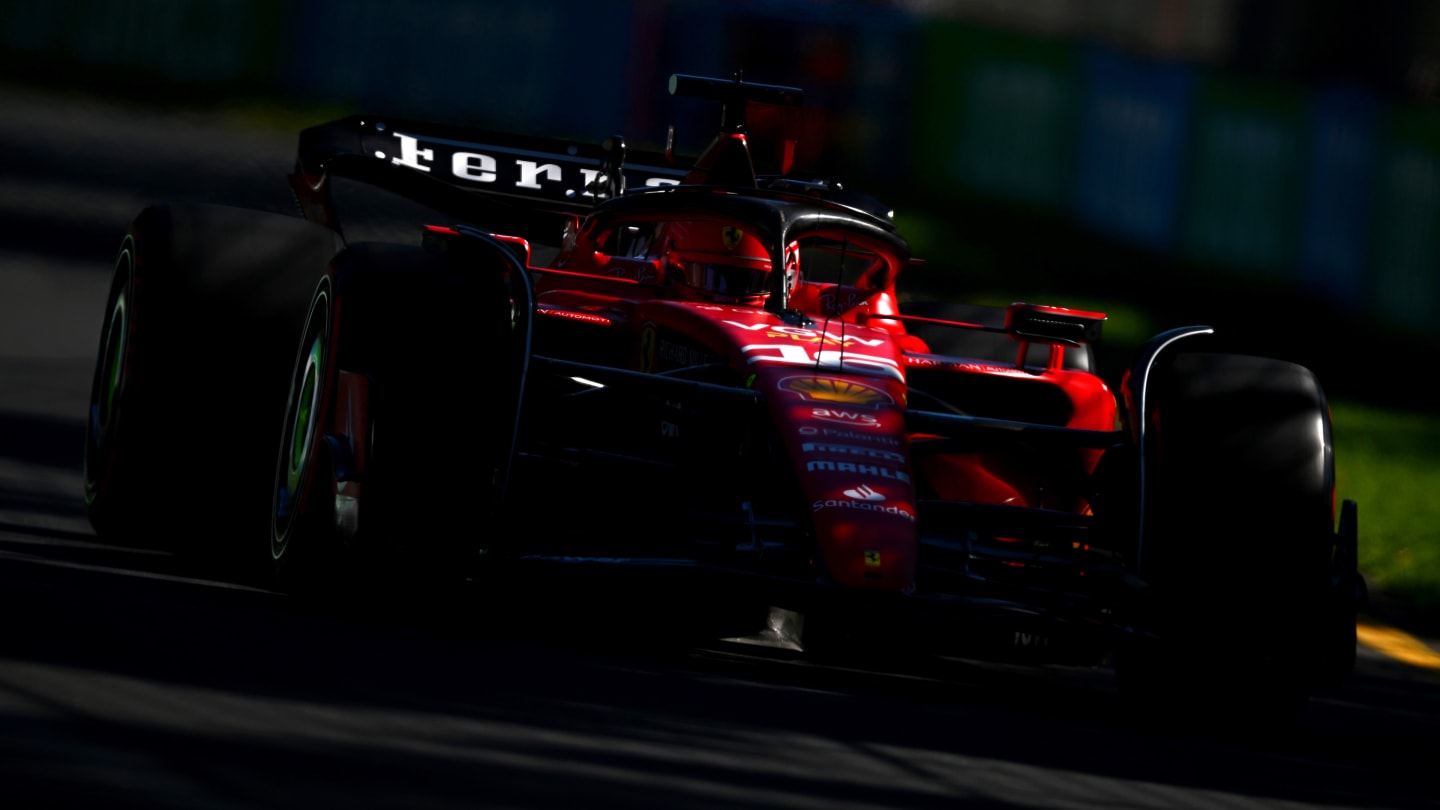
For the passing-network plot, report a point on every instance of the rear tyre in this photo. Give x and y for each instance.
(1239, 545)
(202, 307)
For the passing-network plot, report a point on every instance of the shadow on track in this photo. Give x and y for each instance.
(134, 682)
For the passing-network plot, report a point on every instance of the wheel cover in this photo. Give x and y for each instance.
(116, 341)
(302, 423)
(109, 379)
(303, 428)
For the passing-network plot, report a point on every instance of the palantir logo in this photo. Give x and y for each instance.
(864, 493)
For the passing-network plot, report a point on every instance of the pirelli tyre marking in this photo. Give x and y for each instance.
(117, 339)
(302, 422)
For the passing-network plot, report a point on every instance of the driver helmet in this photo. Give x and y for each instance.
(720, 262)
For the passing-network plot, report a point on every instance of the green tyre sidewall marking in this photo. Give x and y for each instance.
(304, 424)
(109, 377)
(299, 435)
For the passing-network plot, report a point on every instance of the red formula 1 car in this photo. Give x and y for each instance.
(573, 358)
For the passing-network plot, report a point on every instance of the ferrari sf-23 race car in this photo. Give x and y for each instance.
(578, 357)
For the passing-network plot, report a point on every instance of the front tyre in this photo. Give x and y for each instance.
(383, 469)
(1239, 549)
(302, 525)
(109, 463)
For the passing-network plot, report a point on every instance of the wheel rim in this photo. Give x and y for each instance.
(110, 377)
(302, 423)
(114, 359)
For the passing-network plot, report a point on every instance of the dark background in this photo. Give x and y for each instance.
(1269, 168)
(1003, 134)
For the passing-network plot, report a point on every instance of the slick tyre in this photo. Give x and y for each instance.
(303, 536)
(414, 327)
(1238, 545)
(186, 369)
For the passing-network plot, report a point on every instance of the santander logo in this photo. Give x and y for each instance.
(864, 493)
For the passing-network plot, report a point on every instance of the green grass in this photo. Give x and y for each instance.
(1388, 462)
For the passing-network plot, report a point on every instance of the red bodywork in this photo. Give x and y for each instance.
(704, 370)
(826, 349)
(836, 390)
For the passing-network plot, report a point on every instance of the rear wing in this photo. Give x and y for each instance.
(526, 185)
(521, 185)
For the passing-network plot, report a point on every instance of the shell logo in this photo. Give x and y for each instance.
(830, 389)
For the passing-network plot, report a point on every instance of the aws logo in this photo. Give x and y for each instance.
(856, 419)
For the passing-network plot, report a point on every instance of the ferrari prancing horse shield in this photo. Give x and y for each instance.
(731, 235)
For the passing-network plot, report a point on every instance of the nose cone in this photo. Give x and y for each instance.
(846, 438)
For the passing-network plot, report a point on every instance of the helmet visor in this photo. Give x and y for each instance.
(726, 280)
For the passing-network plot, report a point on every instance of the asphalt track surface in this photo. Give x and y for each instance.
(129, 677)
